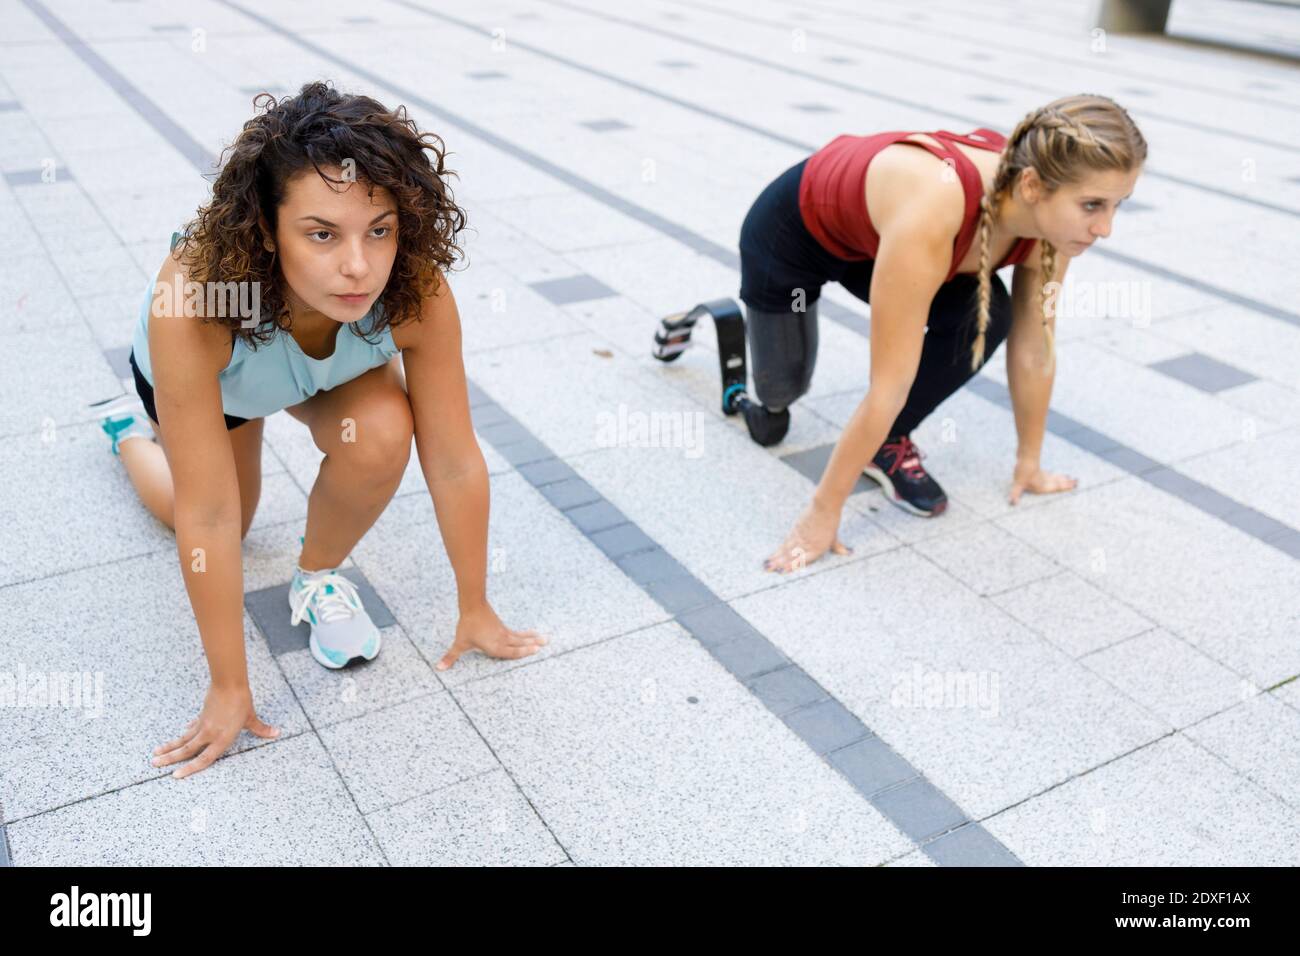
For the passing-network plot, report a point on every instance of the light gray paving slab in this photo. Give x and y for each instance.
(663, 759)
(967, 696)
(265, 807)
(1169, 804)
(147, 670)
(731, 493)
(482, 821)
(1257, 739)
(1255, 472)
(1071, 613)
(1160, 417)
(543, 575)
(406, 750)
(987, 559)
(1119, 538)
(52, 380)
(396, 675)
(1171, 677)
(33, 296)
(70, 505)
(1254, 343)
(498, 309)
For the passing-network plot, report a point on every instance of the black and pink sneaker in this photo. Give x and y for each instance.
(897, 469)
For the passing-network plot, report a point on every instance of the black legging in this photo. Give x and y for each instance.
(779, 257)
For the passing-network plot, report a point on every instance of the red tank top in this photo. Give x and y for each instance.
(833, 198)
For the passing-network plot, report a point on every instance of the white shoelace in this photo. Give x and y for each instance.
(336, 605)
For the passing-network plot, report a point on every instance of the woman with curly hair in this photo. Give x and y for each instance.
(916, 223)
(332, 221)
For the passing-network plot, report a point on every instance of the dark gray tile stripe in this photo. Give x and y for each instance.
(891, 784)
(1264, 308)
(269, 609)
(733, 641)
(1197, 494)
(1191, 282)
(897, 100)
(1240, 516)
(968, 842)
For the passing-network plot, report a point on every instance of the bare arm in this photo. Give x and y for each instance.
(913, 260)
(1028, 374)
(455, 472)
(911, 264)
(450, 458)
(188, 354)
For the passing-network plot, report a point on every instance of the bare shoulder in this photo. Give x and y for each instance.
(181, 343)
(438, 324)
(911, 190)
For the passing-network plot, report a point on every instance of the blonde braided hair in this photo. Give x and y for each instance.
(1060, 141)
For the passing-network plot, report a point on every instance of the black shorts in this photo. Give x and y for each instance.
(145, 391)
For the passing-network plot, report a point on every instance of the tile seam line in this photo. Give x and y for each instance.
(1199, 285)
(151, 113)
(1144, 476)
(941, 65)
(1068, 658)
(647, 217)
(201, 158)
(853, 88)
(610, 199)
(644, 215)
(743, 682)
(229, 4)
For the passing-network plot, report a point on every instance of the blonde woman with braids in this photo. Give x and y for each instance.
(917, 224)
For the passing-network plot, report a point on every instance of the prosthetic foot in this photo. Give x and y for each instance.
(674, 336)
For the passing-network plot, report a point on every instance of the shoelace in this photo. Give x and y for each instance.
(335, 596)
(907, 457)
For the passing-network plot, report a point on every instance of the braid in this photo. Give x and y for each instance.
(1047, 260)
(985, 282)
(1036, 142)
(1001, 182)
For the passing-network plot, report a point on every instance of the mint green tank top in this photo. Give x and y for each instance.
(260, 381)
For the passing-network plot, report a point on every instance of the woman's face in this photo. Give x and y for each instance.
(1078, 214)
(334, 241)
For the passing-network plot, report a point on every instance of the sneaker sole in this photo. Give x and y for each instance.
(887, 486)
(324, 661)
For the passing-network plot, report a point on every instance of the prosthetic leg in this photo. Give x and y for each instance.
(674, 336)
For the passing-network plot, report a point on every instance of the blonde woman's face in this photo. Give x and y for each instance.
(335, 244)
(1078, 214)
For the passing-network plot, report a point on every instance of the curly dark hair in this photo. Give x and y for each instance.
(322, 127)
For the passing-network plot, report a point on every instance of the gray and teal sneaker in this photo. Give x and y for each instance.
(340, 627)
(123, 417)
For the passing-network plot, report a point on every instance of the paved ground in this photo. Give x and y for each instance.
(1104, 677)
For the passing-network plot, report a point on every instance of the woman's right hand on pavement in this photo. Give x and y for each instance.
(815, 533)
(225, 713)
